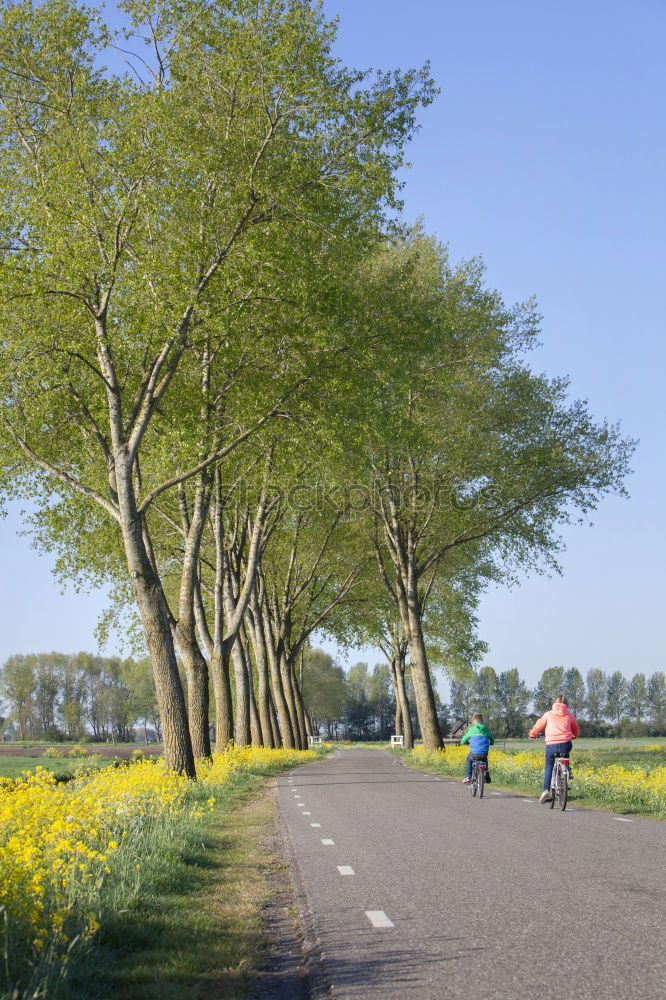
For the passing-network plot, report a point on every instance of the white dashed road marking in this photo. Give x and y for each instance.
(326, 842)
(527, 800)
(346, 870)
(315, 824)
(301, 805)
(621, 819)
(495, 793)
(306, 814)
(378, 918)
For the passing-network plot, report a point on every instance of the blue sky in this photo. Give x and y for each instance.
(545, 154)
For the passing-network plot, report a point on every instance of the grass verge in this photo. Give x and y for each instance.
(134, 882)
(196, 927)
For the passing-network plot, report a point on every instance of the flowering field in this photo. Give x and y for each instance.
(71, 850)
(640, 786)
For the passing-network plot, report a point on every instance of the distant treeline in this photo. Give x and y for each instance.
(57, 696)
(361, 704)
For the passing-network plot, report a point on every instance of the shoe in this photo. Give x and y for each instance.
(545, 796)
(467, 781)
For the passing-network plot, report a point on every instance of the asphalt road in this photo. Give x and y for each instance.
(416, 890)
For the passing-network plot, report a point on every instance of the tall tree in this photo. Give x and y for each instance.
(550, 685)
(486, 694)
(573, 686)
(134, 212)
(513, 698)
(616, 697)
(358, 711)
(17, 687)
(596, 683)
(475, 453)
(381, 700)
(324, 689)
(463, 693)
(637, 697)
(656, 686)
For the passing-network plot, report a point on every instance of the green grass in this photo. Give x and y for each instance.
(62, 767)
(195, 926)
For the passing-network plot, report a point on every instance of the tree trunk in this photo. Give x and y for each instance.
(261, 661)
(144, 580)
(242, 713)
(402, 549)
(286, 728)
(196, 668)
(178, 754)
(156, 622)
(405, 713)
(224, 716)
(288, 688)
(397, 724)
(423, 693)
(304, 727)
(255, 722)
(275, 728)
(198, 697)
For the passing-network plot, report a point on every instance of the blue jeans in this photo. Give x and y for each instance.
(474, 756)
(551, 750)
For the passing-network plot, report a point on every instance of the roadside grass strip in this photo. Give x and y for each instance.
(638, 787)
(77, 858)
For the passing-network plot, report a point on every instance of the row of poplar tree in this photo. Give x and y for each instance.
(237, 389)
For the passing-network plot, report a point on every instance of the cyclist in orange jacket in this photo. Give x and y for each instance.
(561, 728)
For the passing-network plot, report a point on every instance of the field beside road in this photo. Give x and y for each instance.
(616, 775)
(124, 869)
(64, 759)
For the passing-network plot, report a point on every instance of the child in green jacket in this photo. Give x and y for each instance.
(480, 739)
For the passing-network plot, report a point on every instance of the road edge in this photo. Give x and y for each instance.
(319, 983)
(294, 966)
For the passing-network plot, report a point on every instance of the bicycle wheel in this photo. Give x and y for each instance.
(563, 789)
(482, 781)
(475, 781)
(553, 786)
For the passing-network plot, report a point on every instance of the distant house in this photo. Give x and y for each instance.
(144, 735)
(457, 729)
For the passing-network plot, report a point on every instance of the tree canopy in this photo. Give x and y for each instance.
(239, 388)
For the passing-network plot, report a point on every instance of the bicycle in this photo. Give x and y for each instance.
(559, 781)
(479, 774)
